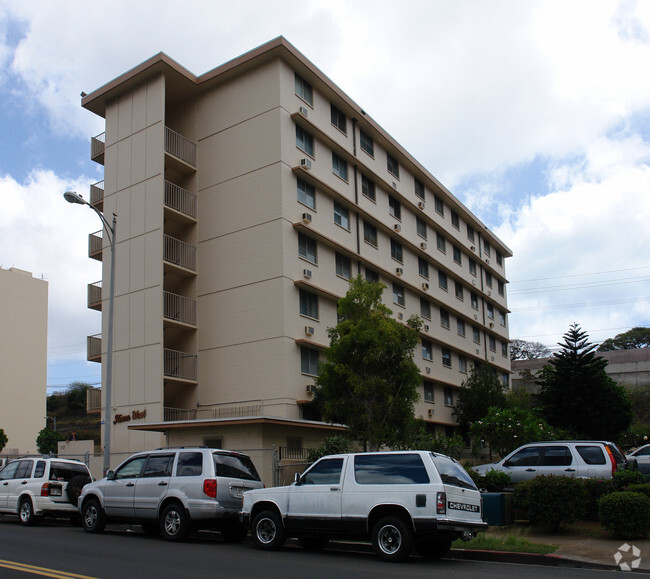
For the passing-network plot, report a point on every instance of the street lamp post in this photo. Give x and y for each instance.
(72, 197)
(53, 418)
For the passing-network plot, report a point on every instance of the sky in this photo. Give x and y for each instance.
(534, 114)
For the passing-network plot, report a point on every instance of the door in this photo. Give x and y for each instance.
(152, 486)
(557, 461)
(119, 491)
(19, 483)
(523, 464)
(7, 474)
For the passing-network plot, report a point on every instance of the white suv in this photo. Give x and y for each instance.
(35, 487)
(172, 490)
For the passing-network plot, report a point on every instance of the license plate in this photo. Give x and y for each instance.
(463, 507)
(55, 491)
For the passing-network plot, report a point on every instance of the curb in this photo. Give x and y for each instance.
(526, 559)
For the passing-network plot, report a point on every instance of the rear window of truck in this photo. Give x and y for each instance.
(389, 469)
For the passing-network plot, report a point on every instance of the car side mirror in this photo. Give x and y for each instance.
(297, 479)
(110, 475)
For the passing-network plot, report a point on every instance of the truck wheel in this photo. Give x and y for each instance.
(268, 532)
(26, 512)
(173, 523)
(392, 540)
(433, 548)
(93, 519)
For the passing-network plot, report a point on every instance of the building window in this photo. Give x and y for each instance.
(490, 311)
(308, 361)
(449, 396)
(488, 279)
(493, 343)
(306, 194)
(500, 287)
(392, 165)
(505, 379)
(460, 325)
(439, 205)
(472, 267)
(368, 188)
(421, 227)
(372, 276)
(458, 289)
(441, 244)
(476, 334)
(455, 219)
(427, 350)
(339, 120)
(499, 258)
(444, 318)
(419, 189)
(370, 233)
(343, 266)
(457, 255)
(474, 300)
(367, 144)
(341, 215)
(504, 349)
(304, 141)
(307, 248)
(446, 357)
(394, 207)
(486, 248)
(304, 90)
(396, 250)
(470, 233)
(398, 294)
(502, 318)
(339, 166)
(308, 304)
(428, 392)
(442, 280)
(423, 267)
(425, 308)
(462, 364)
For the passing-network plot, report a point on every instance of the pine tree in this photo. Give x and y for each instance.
(577, 395)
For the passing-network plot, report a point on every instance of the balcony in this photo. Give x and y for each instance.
(179, 309)
(93, 400)
(180, 366)
(182, 151)
(97, 147)
(95, 245)
(94, 348)
(178, 414)
(179, 253)
(180, 200)
(95, 296)
(97, 195)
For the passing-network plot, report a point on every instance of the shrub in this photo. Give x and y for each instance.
(624, 478)
(550, 501)
(593, 489)
(493, 481)
(644, 489)
(625, 515)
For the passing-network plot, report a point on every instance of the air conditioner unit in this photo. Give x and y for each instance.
(430, 412)
(309, 330)
(426, 327)
(425, 286)
(304, 111)
(311, 388)
(306, 273)
(489, 292)
(394, 185)
(473, 282)
(487, 261)
(473, 248)
(428, 369)
(399, 270)
(306, 218)
(421, 205)
(397, 227)
(423, 245)
(305, 163)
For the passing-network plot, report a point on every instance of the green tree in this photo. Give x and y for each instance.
(577, 395)
(479, 393)
(369, 380)
(76, 396)
(47, 440)
(3, 439)
(331, 445)
(524, 350)
(630, 340)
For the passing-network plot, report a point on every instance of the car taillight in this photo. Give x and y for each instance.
(45, 490)
(612, 458)
(441, 503)
(210, 488)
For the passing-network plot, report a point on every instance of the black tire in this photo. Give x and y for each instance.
(26, 514)
(433, 548)
(313, 543)
(174, 525)
(76, 483)
(268, 531)
(234, 534)
(392, 539)
(93, 518)
(151, 529)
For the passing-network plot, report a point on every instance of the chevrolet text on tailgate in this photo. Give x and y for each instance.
(400, 500)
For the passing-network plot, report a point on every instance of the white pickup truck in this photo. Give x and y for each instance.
(400, 500)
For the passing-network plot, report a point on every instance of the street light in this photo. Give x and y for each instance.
(72, 197)
(53, 418)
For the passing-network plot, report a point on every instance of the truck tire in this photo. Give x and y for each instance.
(173, 523)
(93, 518)
(26, 512)
(268, 532)
(392, 540)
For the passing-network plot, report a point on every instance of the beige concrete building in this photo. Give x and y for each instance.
(23, 359)
(246, 198)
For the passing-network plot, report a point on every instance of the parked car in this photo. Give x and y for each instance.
(171, 491)
(36, 487)
(642, 458)
(399, 500)
(578, 458)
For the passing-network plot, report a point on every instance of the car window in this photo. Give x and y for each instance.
(556, 456)
(325, 472)
(24, 469)
(591, 454)
(159, 465)
(390, 469)
(452, 473)
(525, 457)
(645, 451)
(234, 466)
(40, 469)
(189, 464)
(131, 469)
(65, 471)
(9, 471)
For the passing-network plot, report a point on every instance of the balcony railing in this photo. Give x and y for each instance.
(95, 245)
(176, 414)
(180, 365)
(179, 308)
(97, 147)
(97, 194)
(180, 199)
(179, 253)
(182, 148)
(95, 295)
(94, 348)
(93, 400)
(229, 410)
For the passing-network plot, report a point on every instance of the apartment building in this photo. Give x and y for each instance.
(23, 359)
(246, 198)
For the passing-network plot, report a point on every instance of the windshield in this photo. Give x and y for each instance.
(452, 473)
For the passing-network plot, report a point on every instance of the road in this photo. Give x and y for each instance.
(58, 549)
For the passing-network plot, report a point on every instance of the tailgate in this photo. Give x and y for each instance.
(463, 504)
